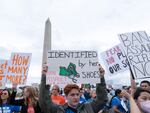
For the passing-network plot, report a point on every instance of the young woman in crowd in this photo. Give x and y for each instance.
(5, 106)
(93, 95)
(29, 103)
(142, 98)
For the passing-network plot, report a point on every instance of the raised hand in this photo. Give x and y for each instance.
(101, 70)
(45, 69)
(14, 86)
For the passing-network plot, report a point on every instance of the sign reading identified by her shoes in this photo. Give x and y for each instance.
(72, 67)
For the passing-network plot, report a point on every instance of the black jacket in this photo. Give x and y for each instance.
(21, 103)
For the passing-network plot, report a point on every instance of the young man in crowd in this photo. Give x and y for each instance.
(117, 102)
(72, 95)
(145, 85)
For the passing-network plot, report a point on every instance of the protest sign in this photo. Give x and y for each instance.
(137, 49)
(3, 66)
(72, 67)
(115, 60)
(17, 69)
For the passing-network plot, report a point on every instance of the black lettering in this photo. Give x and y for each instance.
(139, 70)
(50, 55)
(84, 75)
(135, 39)
(147, 70)
(125, 40)
(124, 63)
(91, 74)
(111, 70)
(145, 37)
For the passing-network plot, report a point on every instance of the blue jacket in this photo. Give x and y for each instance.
(5, 108)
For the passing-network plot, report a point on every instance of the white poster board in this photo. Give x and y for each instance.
(18, 67)
(137, 48)
(72, 67)
(3, 67)
(115, 60)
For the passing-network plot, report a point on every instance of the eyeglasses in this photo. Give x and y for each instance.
(54, 89)
(74, 94)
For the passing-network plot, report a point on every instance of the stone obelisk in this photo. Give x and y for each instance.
(47, 40)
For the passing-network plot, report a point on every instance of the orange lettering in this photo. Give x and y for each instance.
(19, 70)
(18, 60)
(12, 69)
(4, 65)
(25, 60)
(8, 77)
(15, 59)
(25, 70)
(14, 79)
(1, 72)
(1, 77)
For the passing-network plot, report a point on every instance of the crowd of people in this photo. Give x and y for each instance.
(75, 99)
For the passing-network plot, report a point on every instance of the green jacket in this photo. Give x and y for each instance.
(48, 106)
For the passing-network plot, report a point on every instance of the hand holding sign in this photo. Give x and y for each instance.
(14, 86)
(72, 67)
(45, 69)
(101, 70)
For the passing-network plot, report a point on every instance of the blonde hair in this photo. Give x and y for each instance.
(32, 96)
(92, 91)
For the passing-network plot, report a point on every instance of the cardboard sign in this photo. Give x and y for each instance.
(137, 48)
(115, 60)
(3, 67)
(72, 67)
(17, 69)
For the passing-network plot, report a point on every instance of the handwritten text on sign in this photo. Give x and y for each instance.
(115, 60)
(72, 67)
(18, 67)
(3, 66)
(137, 49)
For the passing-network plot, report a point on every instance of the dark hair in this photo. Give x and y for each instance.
(69, 87)
(108, 91)
(145, 81)
(138, 92)
(124, 87)
(118, 91)
(128, 87)
(8, 100)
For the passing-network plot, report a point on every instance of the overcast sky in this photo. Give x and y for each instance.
(76, 24)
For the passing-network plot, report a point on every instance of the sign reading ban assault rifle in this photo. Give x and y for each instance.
(72, 67)
(137, 49)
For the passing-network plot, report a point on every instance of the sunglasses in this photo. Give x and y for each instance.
(74, 94)
(4, 93)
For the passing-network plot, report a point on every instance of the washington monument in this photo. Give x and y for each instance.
(47, 40)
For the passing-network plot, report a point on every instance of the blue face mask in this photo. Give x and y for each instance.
(145, 106)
